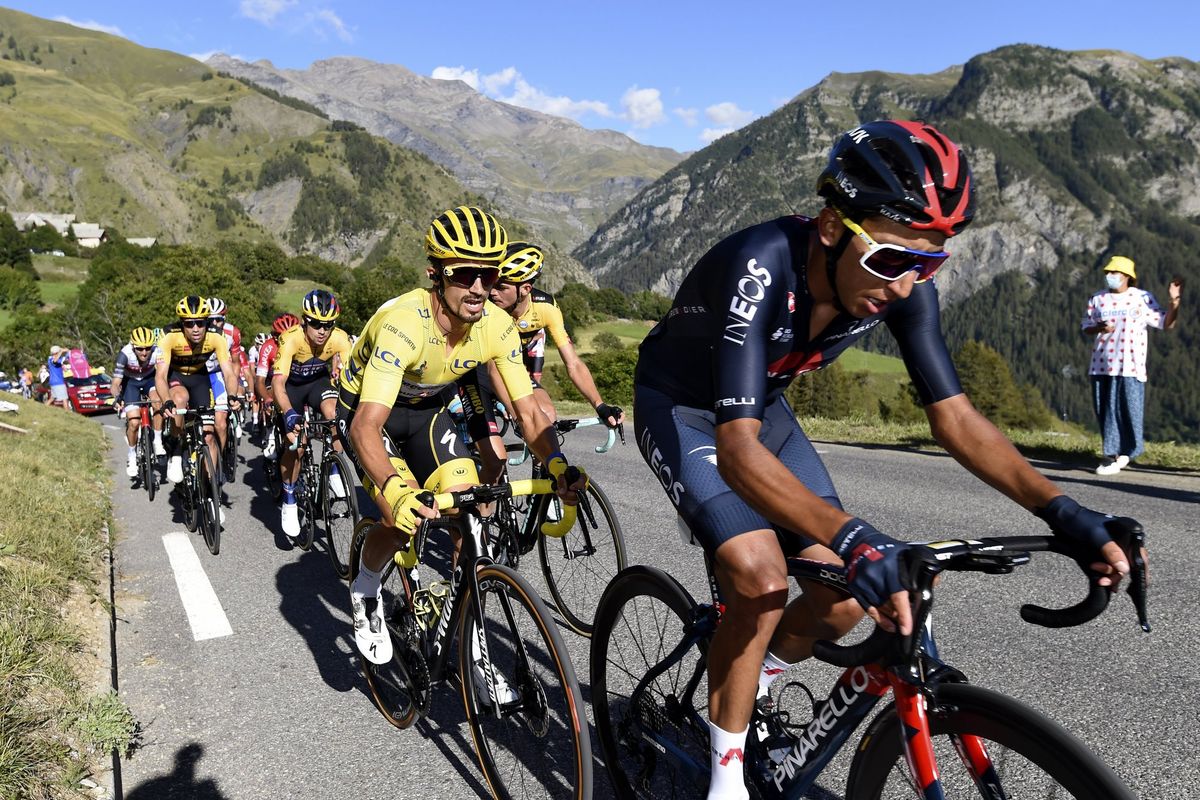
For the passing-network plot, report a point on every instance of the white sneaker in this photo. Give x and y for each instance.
(1122, 462)
(159, 450)
(337, 485)
(371, 636)
(131, 465)
(504, 693)
(1109, 467)
(289, 517)
(175, 469)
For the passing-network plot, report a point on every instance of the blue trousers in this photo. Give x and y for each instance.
(1120, 410)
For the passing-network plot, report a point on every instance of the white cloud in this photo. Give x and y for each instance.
(710, 135)
(643, 107)
(687, 116)
(508, 86)
(728, 115)
(468, 76)
(91, 25)
(325, 18)
(264, 11)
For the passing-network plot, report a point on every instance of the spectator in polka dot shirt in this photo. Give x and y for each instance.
(1119, 318)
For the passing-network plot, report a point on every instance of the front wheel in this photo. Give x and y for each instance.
(147, 461)
(229, 454)
(580, 565)
(209, 496)
(522, 698)
(651, 708)
(1023, 754)
(339, 510)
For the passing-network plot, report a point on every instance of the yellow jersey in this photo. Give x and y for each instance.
(401, 358)
(542, 315)
(179, 355)
(296, 358)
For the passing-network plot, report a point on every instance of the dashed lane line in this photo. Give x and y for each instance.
(204, 611)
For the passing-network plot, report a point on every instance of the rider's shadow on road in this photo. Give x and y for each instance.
(317, 604)
(181, 783)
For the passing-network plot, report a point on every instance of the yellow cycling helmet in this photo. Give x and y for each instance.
(321, 306)
(466, 232)
(522, 262)
(192, 307)
(142, 337)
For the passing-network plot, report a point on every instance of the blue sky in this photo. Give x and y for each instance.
(664, 72)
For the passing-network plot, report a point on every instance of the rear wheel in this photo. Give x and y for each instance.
(536, 743)
(580, 565)
(651, 717)
(339, 511)
(229, 453)
(1028, 754)
(209, 496)
(308, 498)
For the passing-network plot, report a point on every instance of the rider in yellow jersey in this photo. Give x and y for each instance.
(402, 372)
(182, 371)
(536, 313)
(309, 358)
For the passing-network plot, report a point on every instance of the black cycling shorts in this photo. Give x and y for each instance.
(679, 444)
(423, 437)
(132, 390)
(308, 394)
(198, 387)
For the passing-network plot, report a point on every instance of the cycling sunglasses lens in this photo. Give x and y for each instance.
(466, 276)
(893, 263)
(195, 323)
(314, 323)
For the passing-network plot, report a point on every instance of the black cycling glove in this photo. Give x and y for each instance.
(872, 562)
(1067, 518)
(604, 411)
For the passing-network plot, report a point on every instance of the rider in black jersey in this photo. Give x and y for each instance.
(771, 302)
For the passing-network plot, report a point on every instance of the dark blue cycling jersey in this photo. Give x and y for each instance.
(738, 331)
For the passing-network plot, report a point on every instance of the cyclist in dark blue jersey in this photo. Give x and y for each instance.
(767, 304)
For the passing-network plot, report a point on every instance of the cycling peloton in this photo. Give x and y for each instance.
(402, 373)
(769, 303)
(133, 376)
(221, 388)
(263, 372)
(308, 360)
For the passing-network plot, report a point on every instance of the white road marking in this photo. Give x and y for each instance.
(112, 427)
(204, 611)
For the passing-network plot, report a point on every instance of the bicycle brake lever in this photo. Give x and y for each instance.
(1125, 531)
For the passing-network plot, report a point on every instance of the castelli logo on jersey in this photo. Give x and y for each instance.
(751, 288)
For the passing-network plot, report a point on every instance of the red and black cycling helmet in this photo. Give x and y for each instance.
(906, 171)
(284, 322)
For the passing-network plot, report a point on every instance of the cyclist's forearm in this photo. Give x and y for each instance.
(539, 433)
(581, 376)
(282, 402)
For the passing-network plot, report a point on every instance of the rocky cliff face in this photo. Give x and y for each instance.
(1066, 148)
(550, 172)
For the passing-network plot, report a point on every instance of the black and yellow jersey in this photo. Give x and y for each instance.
(300, 363)
(542, 315)
(177, 352)
(401, 357)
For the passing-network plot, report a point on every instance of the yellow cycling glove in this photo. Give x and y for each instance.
(402, 499)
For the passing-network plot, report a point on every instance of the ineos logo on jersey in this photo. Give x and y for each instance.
(751, 288)
(665, 475)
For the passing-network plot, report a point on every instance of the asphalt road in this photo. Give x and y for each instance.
(273, 705)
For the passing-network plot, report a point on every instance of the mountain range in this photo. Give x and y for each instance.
(559, 177)
(1076, 156)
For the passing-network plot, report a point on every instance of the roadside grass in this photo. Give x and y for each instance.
(290, 294)
(56, 496)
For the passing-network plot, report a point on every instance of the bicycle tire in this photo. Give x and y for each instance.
(189, 494)
(1030, 752)
(229, 453)
(307, 510)
(642, 617)
(399, 689)
(274, 478)
(579, 566)
(209, 497)
(537, 745)
(339, 515)
(145, 454)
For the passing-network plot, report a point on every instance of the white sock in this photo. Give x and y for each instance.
(158, 436)
(726, 752)
(367, 583)
(772, 668)
(132, 451)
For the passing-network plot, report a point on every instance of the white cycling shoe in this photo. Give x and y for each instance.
(131, 465)
(269, 448)
(337, 485)
(371, 636)
(175, 469)
(289, 518)
(159, 450)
